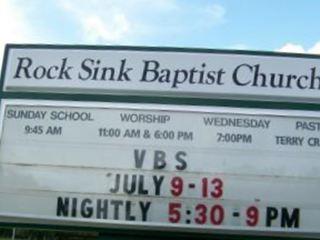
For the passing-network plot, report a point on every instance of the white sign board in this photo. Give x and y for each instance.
(178, 168)
(162, 72)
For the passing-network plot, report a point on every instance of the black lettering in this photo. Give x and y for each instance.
(116, 185)
(39, 72)
(290, 221)
(64, 71)
(159, 159)
(219, 79)
(289, 78)
(141, 189)
(144, 210)
(276, 82)
(96, 70)
(62, 207)
(179, 158)
(50, 72)
(259, 77)
(157, 184)
(86, 211)
(235, 75)
(86, 69)
(191, 75)
(299, 84)
(164, 76)
(201, 72)
(74, 207)
(23, 65)
(314, 77)
(105, 70)
(116, 204)
(211, 77)
(129, 217)
(132, 188)
(123, 74)
(180, 76)
(139, 157)
(102, 209)
(272, 214)
(147, 69)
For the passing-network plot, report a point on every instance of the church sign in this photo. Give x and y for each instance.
(176, 168)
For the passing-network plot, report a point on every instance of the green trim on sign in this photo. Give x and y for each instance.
(164, 100)
(3, 69)
(127, 234)
(160, 49)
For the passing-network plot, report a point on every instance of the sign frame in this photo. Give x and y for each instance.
(287, 104)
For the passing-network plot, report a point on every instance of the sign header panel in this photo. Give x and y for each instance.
(174, 168)
(162, 72)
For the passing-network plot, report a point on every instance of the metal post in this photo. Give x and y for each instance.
(13, 234)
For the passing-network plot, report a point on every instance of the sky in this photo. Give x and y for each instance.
(268, 25)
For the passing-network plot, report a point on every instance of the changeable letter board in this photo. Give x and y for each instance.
(169, 167)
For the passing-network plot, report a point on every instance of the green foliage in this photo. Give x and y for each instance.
(30, 234)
